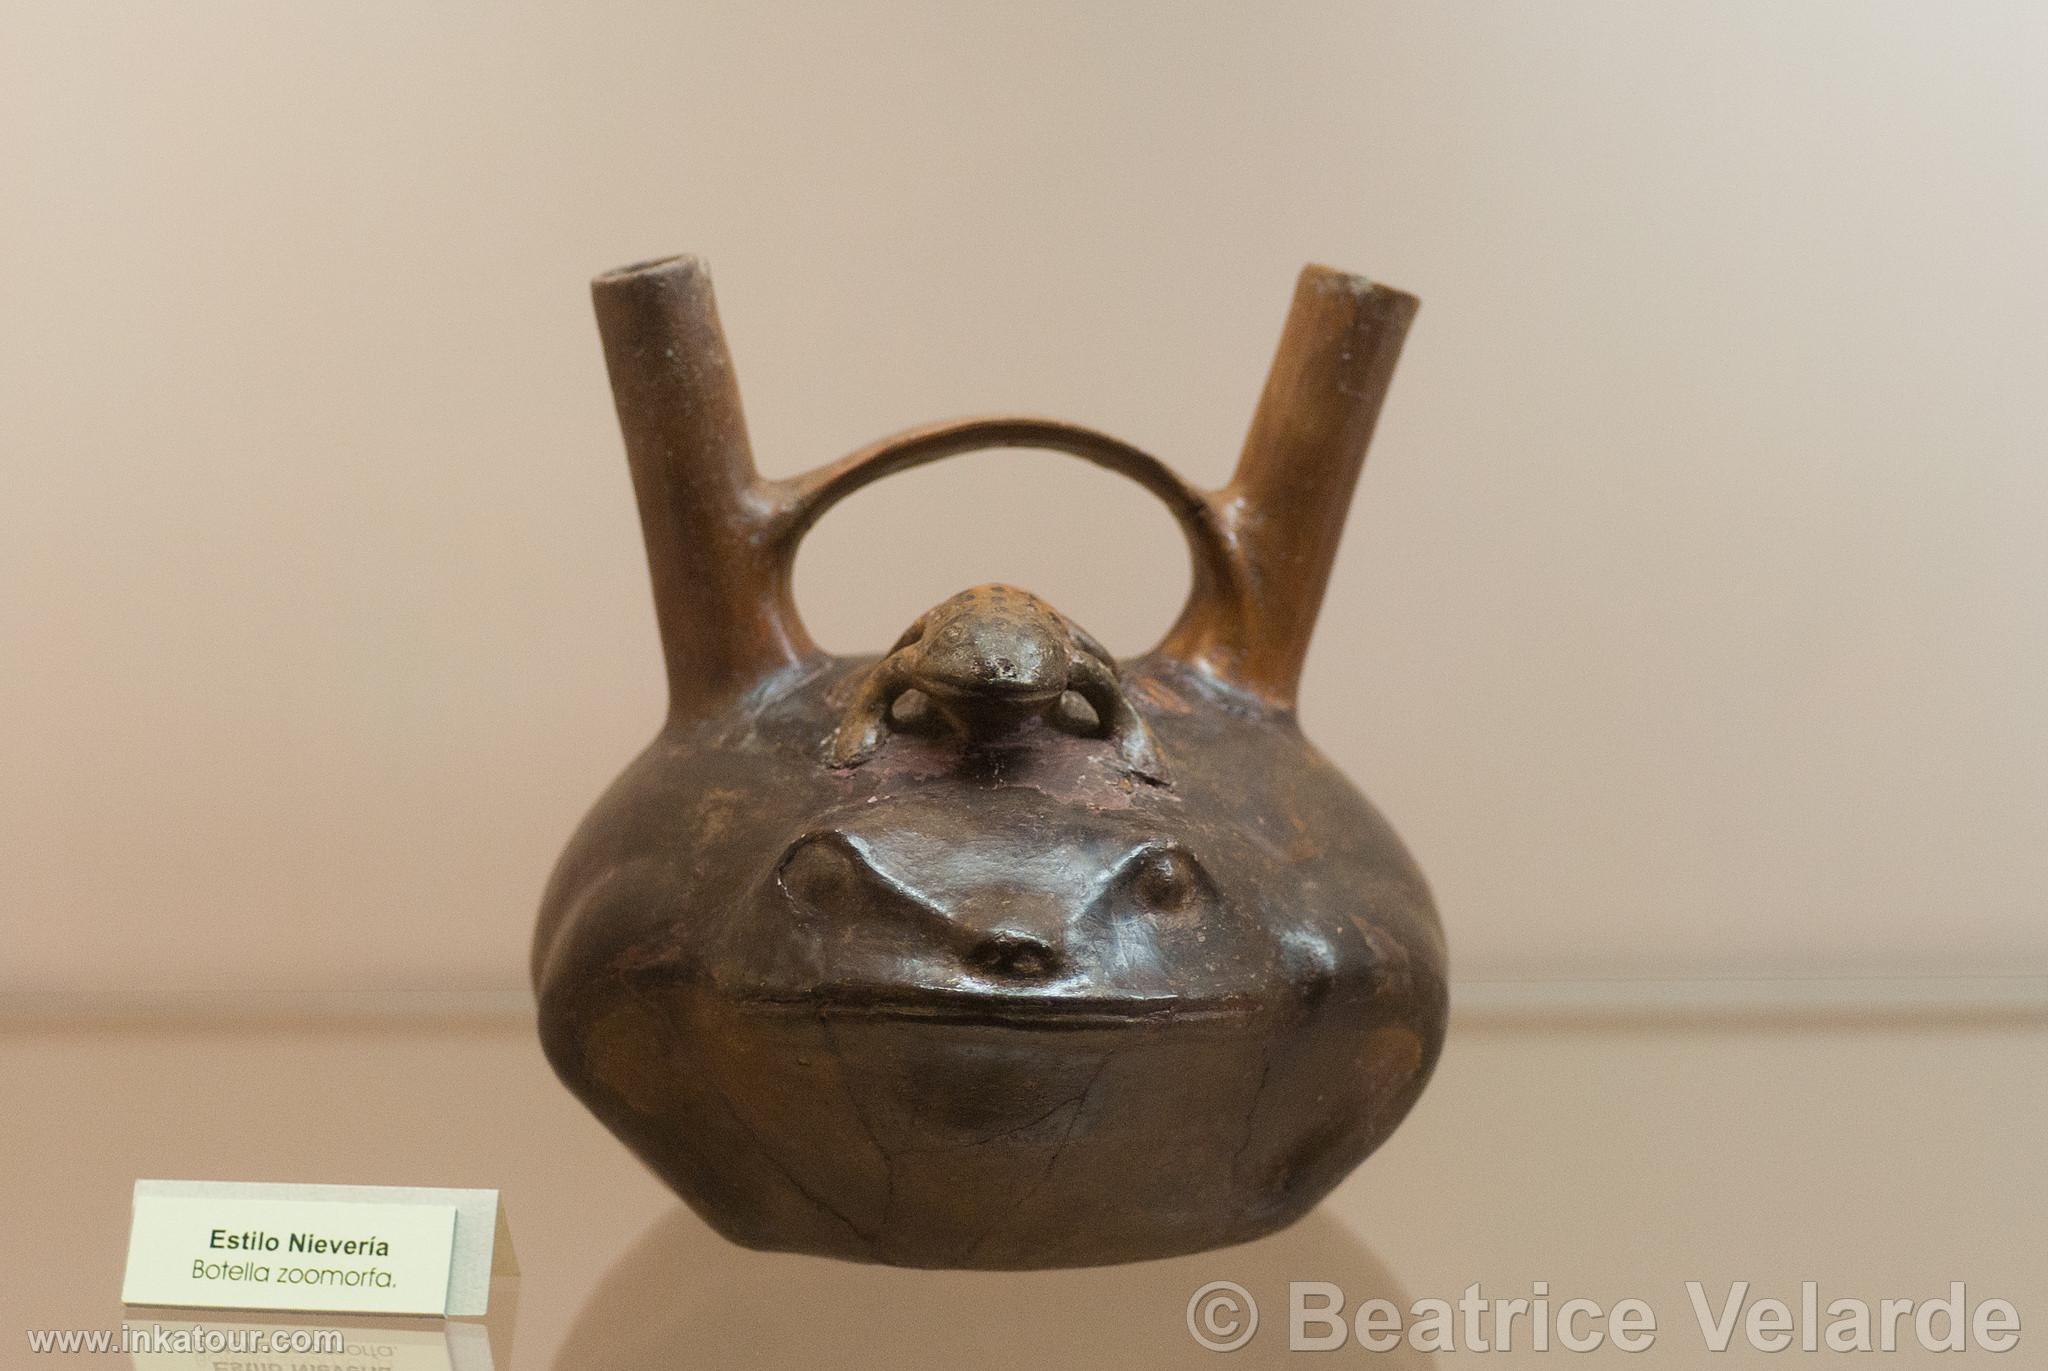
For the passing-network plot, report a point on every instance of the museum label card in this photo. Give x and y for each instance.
(314, 1248)
(222, 1253)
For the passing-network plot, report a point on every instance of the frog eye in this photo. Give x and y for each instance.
(1165, 878)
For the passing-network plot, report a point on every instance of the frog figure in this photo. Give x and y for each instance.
(989, 660)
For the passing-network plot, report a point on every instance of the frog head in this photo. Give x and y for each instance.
(989, 655)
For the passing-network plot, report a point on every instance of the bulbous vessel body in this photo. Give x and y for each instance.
(991, 951)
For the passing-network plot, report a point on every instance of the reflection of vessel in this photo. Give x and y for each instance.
(402, 1344)
(673, 1301)
(993, 953)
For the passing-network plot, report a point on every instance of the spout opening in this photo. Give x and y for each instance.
(653, 266)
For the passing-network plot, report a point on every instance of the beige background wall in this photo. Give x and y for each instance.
(1694, 616)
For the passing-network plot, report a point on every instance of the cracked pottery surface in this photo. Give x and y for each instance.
(990, 952)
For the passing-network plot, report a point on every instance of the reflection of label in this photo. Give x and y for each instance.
(424, 1347)
(242, 1253)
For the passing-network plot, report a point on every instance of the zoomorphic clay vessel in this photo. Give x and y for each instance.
(992, 951)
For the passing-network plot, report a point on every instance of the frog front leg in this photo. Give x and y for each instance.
(1090, 678)
(866, 721)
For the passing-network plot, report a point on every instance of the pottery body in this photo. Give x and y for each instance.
(990, 952)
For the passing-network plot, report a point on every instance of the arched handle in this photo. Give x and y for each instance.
(721, 542)
(801, 501)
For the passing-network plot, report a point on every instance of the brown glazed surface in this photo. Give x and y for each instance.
(990, 952)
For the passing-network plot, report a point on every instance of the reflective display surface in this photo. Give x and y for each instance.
(1552, 1161)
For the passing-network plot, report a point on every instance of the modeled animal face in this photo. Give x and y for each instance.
(1016, 912)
